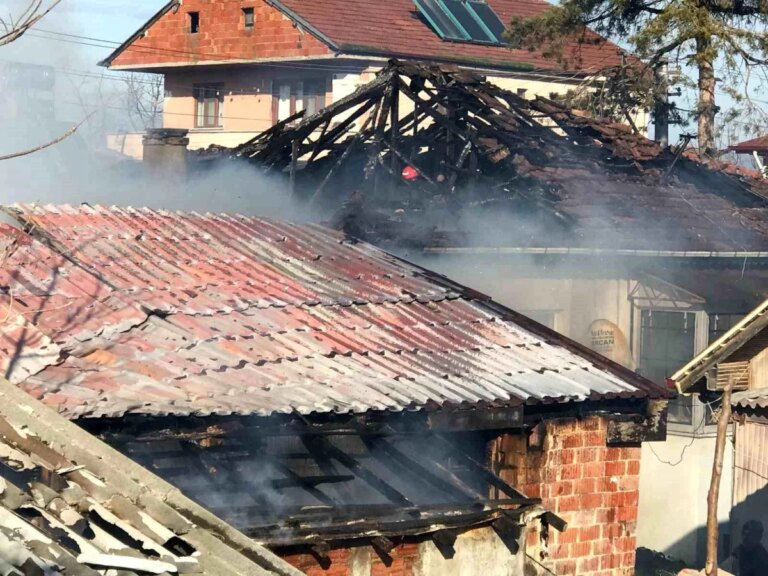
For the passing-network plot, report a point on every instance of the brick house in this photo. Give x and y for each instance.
(233, 68)
(352, 412)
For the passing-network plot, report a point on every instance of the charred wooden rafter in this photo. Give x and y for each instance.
(474, 146)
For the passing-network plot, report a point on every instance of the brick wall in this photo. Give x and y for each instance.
(592, 486)
(222, 36)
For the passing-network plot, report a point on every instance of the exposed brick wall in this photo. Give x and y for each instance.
(222, 36)
(593, 487)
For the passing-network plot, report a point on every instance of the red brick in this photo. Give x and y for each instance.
(615, 468)
(560, 489)
(581, 549)
(625, 544)
(565, 567)
(593, 470)
(601, 547)
(590, 533)
(584, 455)
(585, 565)
(594, 439)
(610, 561)
(568, 504)
(633, 467)
(573, 441)
(629, 483)
(628, 513)
(591, 501)
(571, 472)
(560, 551)
(585, 486)
(570, 536)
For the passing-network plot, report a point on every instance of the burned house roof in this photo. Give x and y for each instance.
(489, 169)
(135, 311)
(69, 504)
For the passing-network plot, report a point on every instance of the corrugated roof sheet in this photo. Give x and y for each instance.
(69, 504)
(228, 314)
(750, 399)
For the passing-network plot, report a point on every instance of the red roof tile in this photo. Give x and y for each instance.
(230, 314)
(394, 28)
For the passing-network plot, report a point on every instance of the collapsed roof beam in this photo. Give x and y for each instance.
(319, 444)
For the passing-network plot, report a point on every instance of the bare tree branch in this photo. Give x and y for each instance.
(61, 138)
(15, 28)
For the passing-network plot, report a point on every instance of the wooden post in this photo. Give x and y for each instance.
(394, 131)
(294, 162)
(714, 486)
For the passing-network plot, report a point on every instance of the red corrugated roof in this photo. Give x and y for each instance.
(394, 28)
(165, 313)
(759, 144)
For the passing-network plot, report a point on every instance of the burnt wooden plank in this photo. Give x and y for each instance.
(323, 446)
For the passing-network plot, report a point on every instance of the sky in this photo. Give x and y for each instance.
(80, 82)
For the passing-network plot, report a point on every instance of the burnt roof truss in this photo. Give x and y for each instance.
(421, 144)
(310, 490)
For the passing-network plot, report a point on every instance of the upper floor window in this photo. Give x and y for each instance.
(194, 22)
(208, 103)
(292, 96)
(248, 18)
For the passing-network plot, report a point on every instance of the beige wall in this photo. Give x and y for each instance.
(674, 481)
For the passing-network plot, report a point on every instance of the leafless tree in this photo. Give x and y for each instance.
(144, 99)
(11, 29)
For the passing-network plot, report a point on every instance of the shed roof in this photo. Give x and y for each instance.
(395, 29)
(145, 312)
(70, 504)
(722, 348)
(755, 399)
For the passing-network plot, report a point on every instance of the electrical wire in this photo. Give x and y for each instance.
(51, 35)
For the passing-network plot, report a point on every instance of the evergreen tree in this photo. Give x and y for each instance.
(697, 33)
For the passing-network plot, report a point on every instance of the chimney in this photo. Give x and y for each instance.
(165, 149)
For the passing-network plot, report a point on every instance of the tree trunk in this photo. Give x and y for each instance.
(706, 62)
(714, 486)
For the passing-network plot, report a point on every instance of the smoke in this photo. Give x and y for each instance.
(49, 82)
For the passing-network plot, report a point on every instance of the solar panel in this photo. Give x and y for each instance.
(468, 21)
(439, 20)
(489, 18)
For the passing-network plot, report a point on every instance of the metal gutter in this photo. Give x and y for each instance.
(597, 252)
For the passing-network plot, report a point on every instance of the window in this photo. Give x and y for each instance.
(719, 324)
(292, 96)
(208, 101)
(667, 341)
(248, 18)
(194, 22)
(462, 20)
